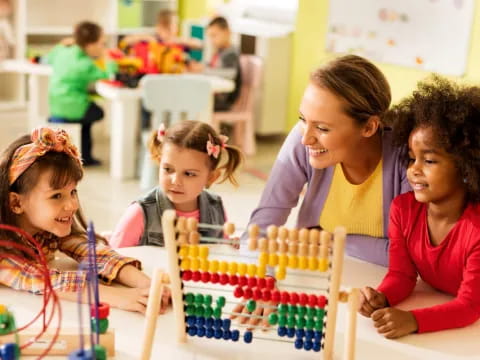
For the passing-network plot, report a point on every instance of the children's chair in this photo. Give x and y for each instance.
(179, 96)
(242, 113)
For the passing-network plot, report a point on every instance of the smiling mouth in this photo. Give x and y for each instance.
(64, 220)
(418, 186)
(316, 152)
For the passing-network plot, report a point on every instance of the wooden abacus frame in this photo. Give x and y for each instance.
(334, 294)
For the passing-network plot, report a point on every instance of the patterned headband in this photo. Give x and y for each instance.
(44, 139)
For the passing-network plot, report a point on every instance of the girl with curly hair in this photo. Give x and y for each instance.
(434, 230)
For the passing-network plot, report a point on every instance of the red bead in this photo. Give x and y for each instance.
(196, 276)
(103, 310)
(247, 293)
(275, 296)
(187, 275)
(252, 282)
(261, 283)
(266, 294)
(224, 279)
(214, 278)
(257, 294)
(206, 277)
(322, 300)
(303, 299)
(238, 292)
(270, 282)
(242, 280)
(233, 280)
(284, 297)
(294, 298)
(312, 300)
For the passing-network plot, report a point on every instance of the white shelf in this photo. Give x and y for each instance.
(49, 30)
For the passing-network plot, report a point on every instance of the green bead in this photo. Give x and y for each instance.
(311, 312)
(199, 299)
(292, 310)
(273, 319)
(217, 312)
(300, 322)
(7, 323)
(190, 309)
(100, 352)
(208, 311)
(102, 325)
(320, 313)
(282, 320)
(319, 325)
(208, 300)
(282, 309)
(200, 311)
(301, 311)
(310, 324)
(221, 301)
(291, 321)
(189, 298)
(251, 305)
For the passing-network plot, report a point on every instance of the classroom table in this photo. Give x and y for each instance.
(458, 344)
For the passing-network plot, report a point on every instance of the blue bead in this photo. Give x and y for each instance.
(317, 336)
(200, 321)
(74, 355)
(209, 333)
(191, 320)
(291, 332)
(226, 324)
(201, 331)
(235, 335)
(192, 330)
(9, 351)
(217, 324)
(310, 334)
(247, 337)
(308, 345)
(282, 331)
(227, 334)
(298, 344)
(300, 333)
(218, 333)
(209, 322)
(316, 346)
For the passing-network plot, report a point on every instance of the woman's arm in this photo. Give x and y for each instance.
(368, 248)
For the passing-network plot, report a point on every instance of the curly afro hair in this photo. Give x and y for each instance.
(453, 113)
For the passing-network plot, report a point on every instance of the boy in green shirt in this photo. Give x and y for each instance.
(73, 71)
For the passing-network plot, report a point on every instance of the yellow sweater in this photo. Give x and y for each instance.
(357, 207)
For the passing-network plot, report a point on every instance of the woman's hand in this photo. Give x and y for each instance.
(259, 311)
(371, 300)
(394, 323)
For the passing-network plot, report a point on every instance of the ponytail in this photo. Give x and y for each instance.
(228, 168)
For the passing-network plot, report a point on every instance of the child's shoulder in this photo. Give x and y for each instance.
(406, 200)
(210, 196)
(472, 215)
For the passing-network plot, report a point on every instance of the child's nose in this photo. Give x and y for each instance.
(176, 180)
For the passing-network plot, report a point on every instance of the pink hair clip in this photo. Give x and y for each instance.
(212, 149)
(161, 132)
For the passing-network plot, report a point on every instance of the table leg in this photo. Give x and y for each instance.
(38, 110)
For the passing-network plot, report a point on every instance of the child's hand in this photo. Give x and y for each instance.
(259, 311)
(394, 323)
(130, 299)
(371, 300)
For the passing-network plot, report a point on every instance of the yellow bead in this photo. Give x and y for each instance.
(302, 262)
(232, 268)
(263, 258)
(185, 264)
(3, 309)
(283, 260)
(281, 273)
(261, 271)
(242, 269)
(323, 264)
(193, 251)
(293, 261)
(204, 251)
(213, 268)
(183, 253)
(273, 260)
(251, 270)
(204, 265)
(312, 263)
(194, 264)
(223, 269)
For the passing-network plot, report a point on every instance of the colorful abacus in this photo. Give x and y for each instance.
(11, 350)
(305, 319)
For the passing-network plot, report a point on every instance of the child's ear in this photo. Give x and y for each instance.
(15, 203)
(371, 126)
(214, 175)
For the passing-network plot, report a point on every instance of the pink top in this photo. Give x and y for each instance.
(452, 267)
(131, 226)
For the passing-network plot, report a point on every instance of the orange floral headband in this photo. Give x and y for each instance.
(44, 139)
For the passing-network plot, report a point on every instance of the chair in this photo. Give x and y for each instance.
(242, 113)
(182, 97)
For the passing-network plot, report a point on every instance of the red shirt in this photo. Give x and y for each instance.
(452, 267)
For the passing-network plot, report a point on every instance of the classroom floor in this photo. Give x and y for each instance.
(104, 199)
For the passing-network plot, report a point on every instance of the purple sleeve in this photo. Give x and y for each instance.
(368, 248)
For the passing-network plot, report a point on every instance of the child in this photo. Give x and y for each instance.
(73, 71)
(434, 231)
(192, 156)
(225, 61)
(38, 181)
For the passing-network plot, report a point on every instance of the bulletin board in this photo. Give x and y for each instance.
(432, 35)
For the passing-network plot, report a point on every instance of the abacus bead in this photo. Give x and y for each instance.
(247, 293)
(261, 271)
(182, 239)
(185, 264)
(209, 322)
(272, 246)
(189, 298)
(252, 244)
(281, 273)
(292, 261)
(282, 246)
(294, 298)
(270, 283)
(200, 311)
(282, 233)
(302, 262)
(252, 282)
(266, 294)
(192, 330)
(309, 334)
(273, 260)
(207, 299)
(227, 334)
(229, 228)
(191, 320)
(201, 331)
(242, 280)
(203, 251)
(312, 263)
(320, 313)
(316, 346)
(312, 300)
(221, 301)
(224, 279)
(293, 235)
(284, 297)
(242, 269)
(251, 305)
(303, 249)
(196, 276)
(291, 321)
(323, 264)
(298, 344)
(301, 310)
(190, 310)
(313, 250)
(233, 280)
(199, 299)
(293, 248)
(321, 301)
(318, 325)
(247, 337)
(232, 268)
(308, 345)
(303, 235)
(282, 321)
(194, 264)
(253, 230)
(183, 252)
(226, 324)
(206, 277)
(272, 231)
(262, 244)
(314, 236)
(209, 333)
(181, 224)
(208, 311)
(303, 299)
(223, 267)
(311, 312)
(238, 292)
(310, 324)
(251, 269)
(300, 333)
(192, 224)
(263, 258)
(257, 294)
(282, 331)
(213, 268)
(261, 283)
(275, 296)
(194, 238)
(283, 260)
(291, 332)
(300, 322)
(273, 319)
(235, 335)
(218, 334)
(317, 335)
(214, 278)
(204, 264)
(282, 309)
(186, 275)
(292, 310)
(200, 321)
(217, 312)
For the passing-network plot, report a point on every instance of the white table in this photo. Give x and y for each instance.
(461, 344)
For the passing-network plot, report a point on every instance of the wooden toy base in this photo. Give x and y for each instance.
(67, 341)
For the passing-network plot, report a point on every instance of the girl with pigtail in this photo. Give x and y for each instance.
(192, 157)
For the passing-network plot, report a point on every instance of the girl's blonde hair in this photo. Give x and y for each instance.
(195, 135)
